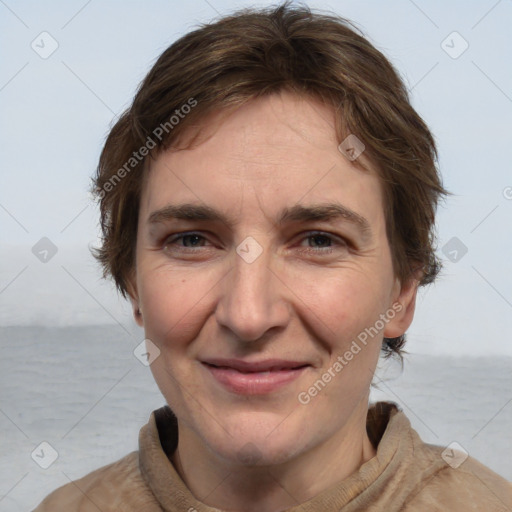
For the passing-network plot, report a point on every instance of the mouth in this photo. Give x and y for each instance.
(254, 378)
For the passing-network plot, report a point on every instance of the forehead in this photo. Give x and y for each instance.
(275, 152)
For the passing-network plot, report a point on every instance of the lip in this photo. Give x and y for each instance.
(254, 378)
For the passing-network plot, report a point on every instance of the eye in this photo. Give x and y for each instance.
(184, 241)
(323, 243)
(194, 240)
(314, 243)
(321, 239)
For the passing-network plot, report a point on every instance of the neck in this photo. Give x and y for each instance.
(229, 485)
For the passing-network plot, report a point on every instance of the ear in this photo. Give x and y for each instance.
(131, 288)
(403, 304)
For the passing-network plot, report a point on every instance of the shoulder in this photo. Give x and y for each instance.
(454, 481)
(116, 487)
(421, 476)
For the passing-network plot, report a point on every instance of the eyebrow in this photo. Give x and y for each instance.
(298, 213)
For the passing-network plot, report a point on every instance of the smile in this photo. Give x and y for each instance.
(255, 379)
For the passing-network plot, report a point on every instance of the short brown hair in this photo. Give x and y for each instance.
(253, 53)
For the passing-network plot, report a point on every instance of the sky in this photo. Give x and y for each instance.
(70, 68)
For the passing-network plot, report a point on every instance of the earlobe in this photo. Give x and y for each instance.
(404, 306)
(134, 299)
(137, 313)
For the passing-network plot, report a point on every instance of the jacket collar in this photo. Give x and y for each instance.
(386, 426)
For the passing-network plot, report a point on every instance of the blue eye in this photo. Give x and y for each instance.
(189, 240)
(192, 238)
(314, 242)
(323, 242)
(323, 239)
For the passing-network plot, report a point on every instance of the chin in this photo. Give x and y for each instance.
(257, 442)
(258, 454)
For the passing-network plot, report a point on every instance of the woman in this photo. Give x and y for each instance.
(268, 205)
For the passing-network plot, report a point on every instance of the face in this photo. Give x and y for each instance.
(262, 257)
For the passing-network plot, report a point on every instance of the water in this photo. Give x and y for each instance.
(82, 390)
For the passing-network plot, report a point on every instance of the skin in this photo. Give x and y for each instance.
(304, 298)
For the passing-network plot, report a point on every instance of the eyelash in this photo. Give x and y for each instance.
(172, 239)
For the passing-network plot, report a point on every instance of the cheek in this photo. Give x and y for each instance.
(174, 304)
(340, 303)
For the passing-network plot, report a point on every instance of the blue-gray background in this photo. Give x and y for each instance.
(55, 113)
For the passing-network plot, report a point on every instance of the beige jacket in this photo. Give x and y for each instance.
(406, 475)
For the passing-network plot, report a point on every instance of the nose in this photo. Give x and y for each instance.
(253, 299)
